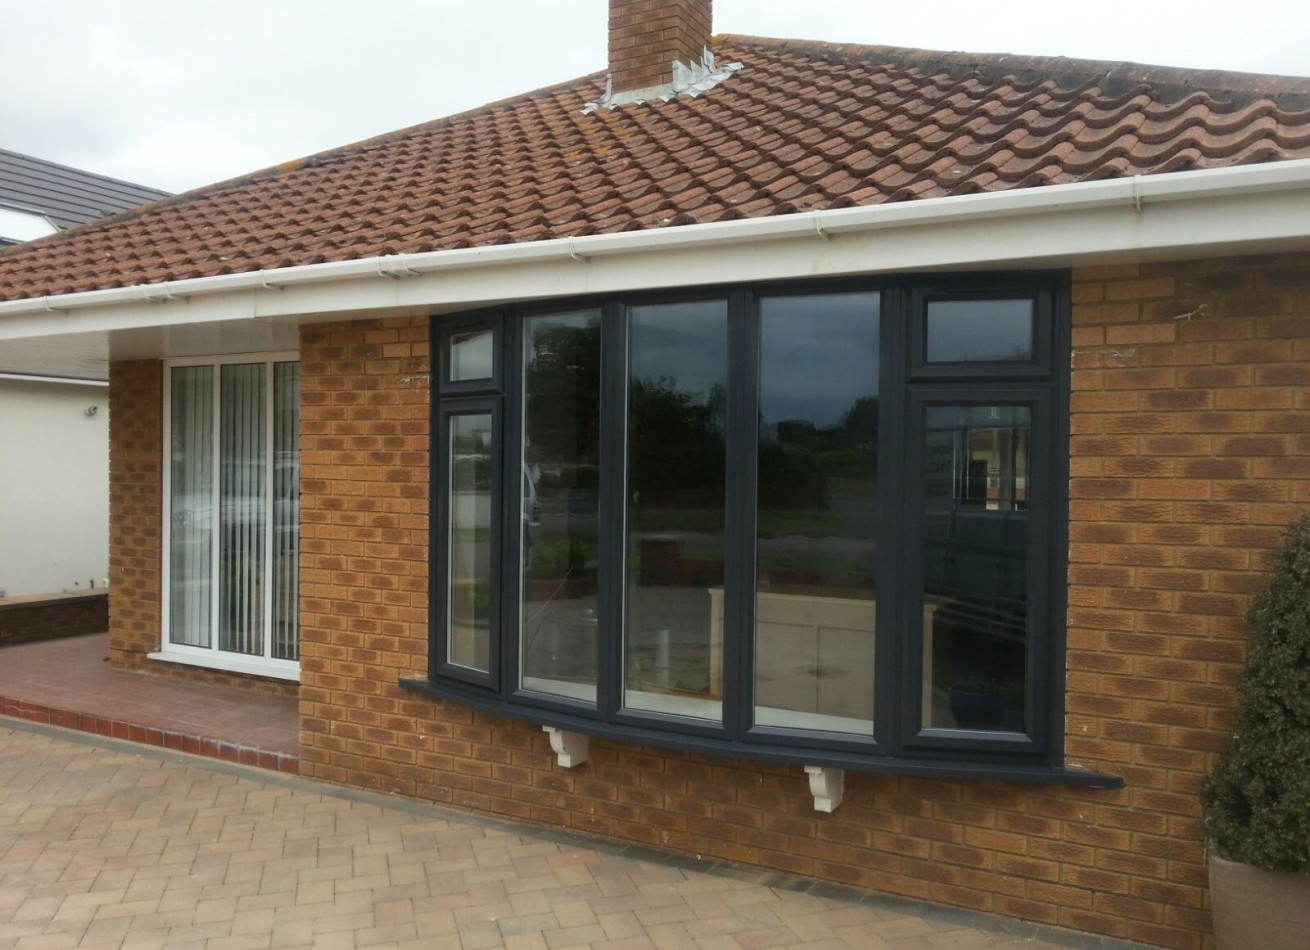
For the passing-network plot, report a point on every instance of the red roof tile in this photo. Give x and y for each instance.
(802, 126)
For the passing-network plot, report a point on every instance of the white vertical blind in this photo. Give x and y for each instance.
(234, 508)
(243, 459)
(191, 505)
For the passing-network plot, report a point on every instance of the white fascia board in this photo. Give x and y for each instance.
(1184, 214)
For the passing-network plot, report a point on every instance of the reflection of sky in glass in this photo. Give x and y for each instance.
(816, 354)
(684, 342)
(577, 320)
(964, 331)
(471, 355)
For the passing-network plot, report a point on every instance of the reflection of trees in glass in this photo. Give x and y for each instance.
(676, 444)
(470, 462)
(802, 465)
(860, 422)
(563, 394)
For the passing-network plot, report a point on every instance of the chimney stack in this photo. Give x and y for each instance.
(648, 36)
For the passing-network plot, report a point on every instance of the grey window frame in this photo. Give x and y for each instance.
(906, 383)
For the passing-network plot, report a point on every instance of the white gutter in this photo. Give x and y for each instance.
(1182, 213)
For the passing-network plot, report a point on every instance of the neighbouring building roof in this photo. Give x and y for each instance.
(65, 196)
(802, 126)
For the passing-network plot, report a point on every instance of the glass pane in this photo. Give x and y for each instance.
(561, 459)
(975, 630)
(970, 331)
(191, 505)
(471, 355)
(243, 470)
(678, 396)
(286, 510)
(815, 581)
(468, 547)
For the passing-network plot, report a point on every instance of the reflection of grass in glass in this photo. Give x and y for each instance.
(711, 520)
(481, 602)
(470, 601)
(469, 535)
(825, 564)
(679, 519)
(799, 522)
(559, 557)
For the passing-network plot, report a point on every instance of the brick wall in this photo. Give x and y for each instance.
(1190, 450)
(647, 36)
(364, 535)
(136, 489)
(38, 617)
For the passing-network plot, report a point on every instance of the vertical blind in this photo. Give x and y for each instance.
(234, 508)
(191, 504)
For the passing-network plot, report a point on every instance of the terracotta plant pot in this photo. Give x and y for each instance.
(1255, 909)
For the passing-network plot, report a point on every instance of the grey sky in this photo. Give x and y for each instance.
(179, 94)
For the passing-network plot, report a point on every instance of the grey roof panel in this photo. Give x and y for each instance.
(68, 196)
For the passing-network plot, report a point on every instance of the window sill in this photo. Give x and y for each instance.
(798, 754)
(253, 666)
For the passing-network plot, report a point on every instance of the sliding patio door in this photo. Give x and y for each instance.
(233, 477)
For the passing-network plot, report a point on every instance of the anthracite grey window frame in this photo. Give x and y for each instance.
(907, 383)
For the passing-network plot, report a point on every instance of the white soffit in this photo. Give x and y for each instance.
(79, 356)
(1248, 209)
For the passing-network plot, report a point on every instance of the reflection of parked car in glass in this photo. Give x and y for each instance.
(531, 508)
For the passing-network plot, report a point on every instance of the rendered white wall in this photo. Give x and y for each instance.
(54, 487)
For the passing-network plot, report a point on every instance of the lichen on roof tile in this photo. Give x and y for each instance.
(802, 126)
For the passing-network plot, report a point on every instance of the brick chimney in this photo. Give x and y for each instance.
(648, 36)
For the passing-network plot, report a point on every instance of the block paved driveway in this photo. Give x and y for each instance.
(107, 844)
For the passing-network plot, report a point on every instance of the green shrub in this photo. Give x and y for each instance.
(1257, 801)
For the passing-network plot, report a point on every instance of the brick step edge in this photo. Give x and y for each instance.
(149, 735)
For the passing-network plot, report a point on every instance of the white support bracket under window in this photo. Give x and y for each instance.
(570, 748)
(826, 785)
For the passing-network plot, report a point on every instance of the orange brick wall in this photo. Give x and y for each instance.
(364, 557)
(1190, 450)
(136, 489)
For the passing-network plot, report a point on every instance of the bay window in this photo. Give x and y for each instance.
(232, 514)
(820, 523)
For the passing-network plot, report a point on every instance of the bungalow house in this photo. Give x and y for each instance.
(851, 461)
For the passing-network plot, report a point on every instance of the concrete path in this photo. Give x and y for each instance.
(107, 844)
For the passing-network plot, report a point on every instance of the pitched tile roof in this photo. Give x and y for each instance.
(802, 126)
(68, 196)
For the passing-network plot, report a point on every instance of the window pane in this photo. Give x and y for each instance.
(242, 502)
(561, 459)
(976, 544)
(678, 374)
(471, 355)
(286, 510)
(468, 546)
(968, 331)
(191, 505)
(817, 497)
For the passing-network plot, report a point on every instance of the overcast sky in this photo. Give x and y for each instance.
(180, 93)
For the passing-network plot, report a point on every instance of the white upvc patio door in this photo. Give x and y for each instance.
(232, 514)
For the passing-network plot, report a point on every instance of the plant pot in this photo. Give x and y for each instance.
(1255, 909)
(975, 710)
